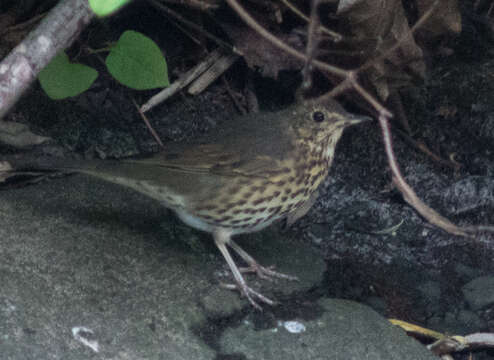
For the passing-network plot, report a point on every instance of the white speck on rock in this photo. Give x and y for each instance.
(9, 308)
(83, 335)
(294, 327)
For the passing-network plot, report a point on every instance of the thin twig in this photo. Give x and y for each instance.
(370, 99)
(421, 146)
(183, 81)
(190, 24)
(313, 37)
(233, 96)
(351, 82)
(23, 25)
(394, 100)
(194, 4)
(150, 128)
(334, 35)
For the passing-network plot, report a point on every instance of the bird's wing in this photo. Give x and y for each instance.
(215, 159)
(255, 146)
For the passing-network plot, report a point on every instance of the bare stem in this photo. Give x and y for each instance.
(408, 194)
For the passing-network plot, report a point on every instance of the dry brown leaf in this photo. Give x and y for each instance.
(18, 135)
(445, 20)
(262, 55)
(382, 24)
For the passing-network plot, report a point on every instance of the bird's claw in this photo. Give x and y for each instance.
(267, 273)
(250, 294)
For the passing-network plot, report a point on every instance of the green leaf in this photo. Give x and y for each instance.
(137, 62)
(61, 78)
(106, 7)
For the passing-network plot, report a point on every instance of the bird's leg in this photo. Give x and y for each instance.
(221, 238)
(261, 271)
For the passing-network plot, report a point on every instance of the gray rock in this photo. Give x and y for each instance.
(479, 293)
(470, 321)
(344, 330)
(431, 290)
(462, 322)
(377, 304)
(466, 272)
(90, 267)
(87, 265)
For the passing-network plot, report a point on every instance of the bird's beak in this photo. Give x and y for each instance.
(354, 119)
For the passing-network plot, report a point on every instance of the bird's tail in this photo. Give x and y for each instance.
(16, 169)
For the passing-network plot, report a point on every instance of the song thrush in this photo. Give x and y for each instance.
(239, 179)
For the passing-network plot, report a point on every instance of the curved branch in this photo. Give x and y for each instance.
(408, 194)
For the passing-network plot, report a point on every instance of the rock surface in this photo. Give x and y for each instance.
(479, 293)
(89, 267)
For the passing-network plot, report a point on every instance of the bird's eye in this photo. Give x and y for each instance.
(318, 116)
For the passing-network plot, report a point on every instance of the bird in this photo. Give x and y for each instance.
(256, 170)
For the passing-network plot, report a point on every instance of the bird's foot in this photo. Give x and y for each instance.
(266, 273)
(250, 294)
(223, 238)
